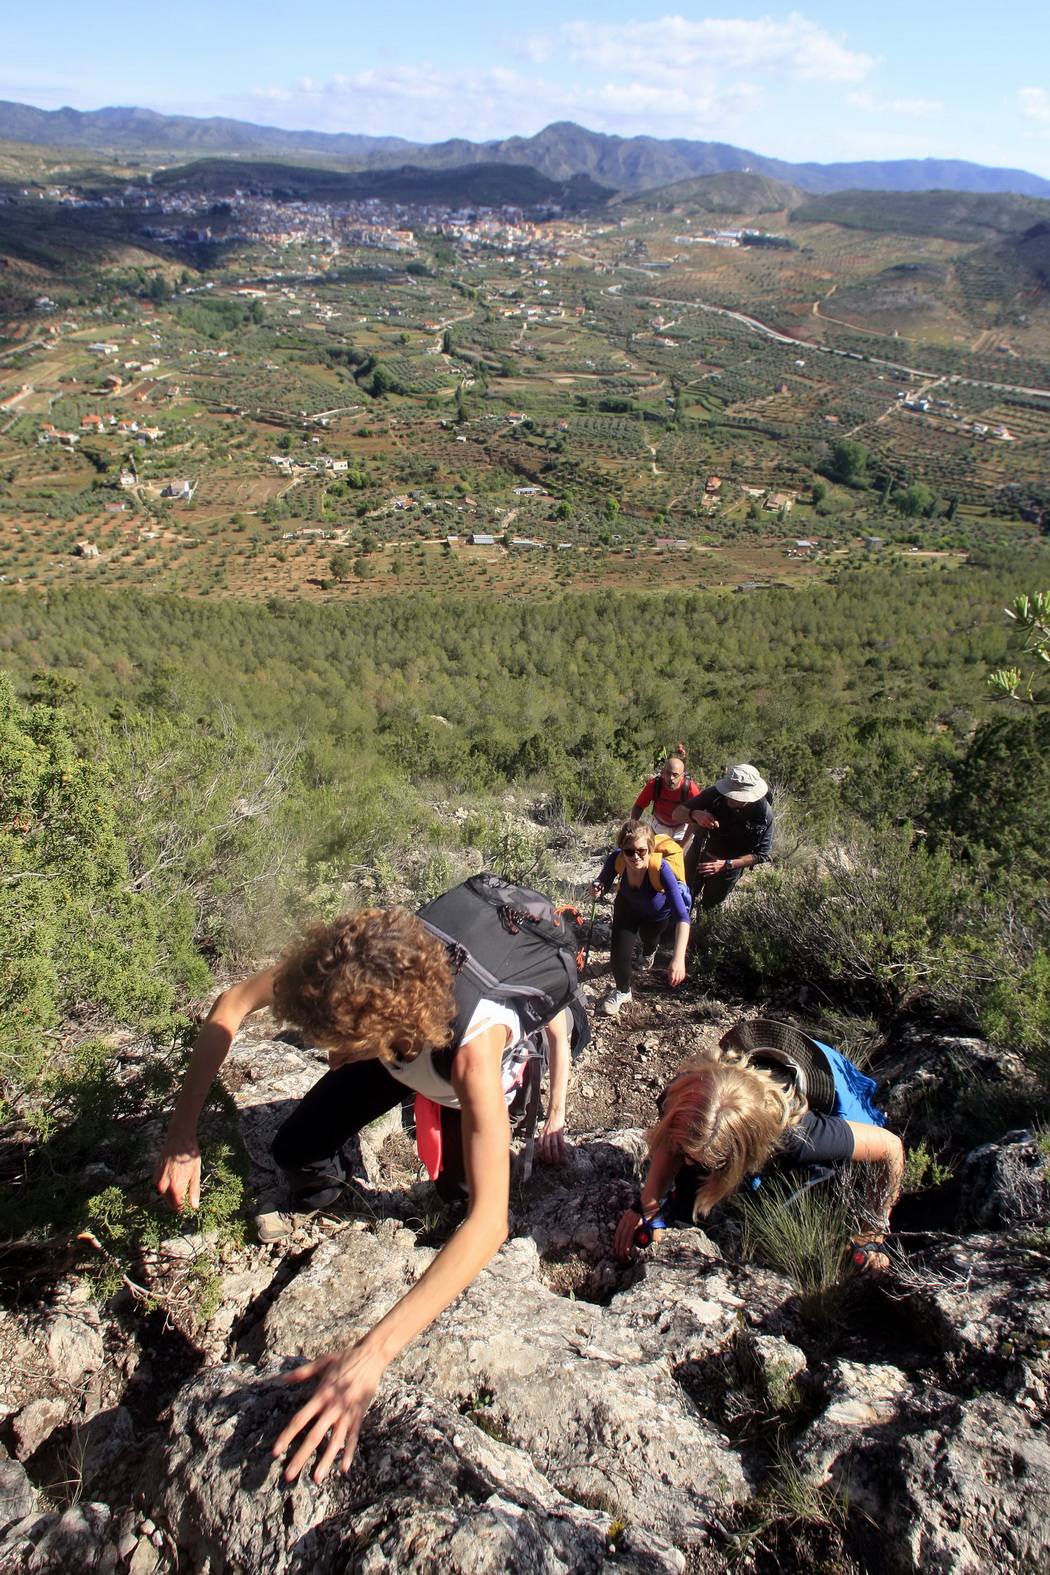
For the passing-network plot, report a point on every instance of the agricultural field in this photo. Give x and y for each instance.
(265, 404)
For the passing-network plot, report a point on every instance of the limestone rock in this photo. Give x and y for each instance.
(17, 1494)
(981, 1295)
(922, 1063)
(35, 1423)
(589, 1391)
(772, 1364)
(862, 1397)
(74, 1348)
(79, 1539)
(1005, 1183)
(428, 1491)
(959, 1487)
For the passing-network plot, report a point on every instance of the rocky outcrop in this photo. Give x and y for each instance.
(430, 1491)
(568, 1412)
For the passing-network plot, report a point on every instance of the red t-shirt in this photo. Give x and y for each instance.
(667, 799)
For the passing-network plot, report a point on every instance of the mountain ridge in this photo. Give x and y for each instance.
(559, 151)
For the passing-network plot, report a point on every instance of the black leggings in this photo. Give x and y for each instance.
(628, 928)
(310, 1146)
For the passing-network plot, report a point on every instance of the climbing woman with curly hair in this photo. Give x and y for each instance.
(375, 989)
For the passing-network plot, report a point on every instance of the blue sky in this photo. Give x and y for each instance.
(823, 82)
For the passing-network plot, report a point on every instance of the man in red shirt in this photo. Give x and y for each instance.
(666, 793)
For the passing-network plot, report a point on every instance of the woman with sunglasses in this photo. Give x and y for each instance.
(643, 911)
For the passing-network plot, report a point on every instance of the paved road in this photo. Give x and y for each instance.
(808, 345)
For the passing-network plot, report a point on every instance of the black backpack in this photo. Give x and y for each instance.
(510, 944)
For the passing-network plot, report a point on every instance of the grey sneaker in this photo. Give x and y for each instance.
(645, 962)
(611, 1004)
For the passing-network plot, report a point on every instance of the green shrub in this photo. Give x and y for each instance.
(884, 922)
(87, 1120)
(75, 933)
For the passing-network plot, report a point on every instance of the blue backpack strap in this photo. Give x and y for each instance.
(854, 1091)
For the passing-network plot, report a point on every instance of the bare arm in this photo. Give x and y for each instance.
(699, 817)
(551, 1143)
(663, 1168)
(350, 1377)
(876, 1146)
(676, 967)
(177, 1176)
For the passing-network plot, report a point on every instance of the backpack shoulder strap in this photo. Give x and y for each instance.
(656, 865)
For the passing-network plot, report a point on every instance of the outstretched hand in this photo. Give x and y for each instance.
(550, 1145)
(336, 1410)
(177, 1174)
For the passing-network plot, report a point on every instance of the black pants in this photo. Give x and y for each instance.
(309, 1147)
(716, 888)
(628, 928)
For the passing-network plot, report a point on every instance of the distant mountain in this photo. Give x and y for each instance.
(559, 151)
(488, 185)
(141, 131)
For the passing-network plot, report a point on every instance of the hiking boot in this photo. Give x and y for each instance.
(279, 1224)
(610, 1005)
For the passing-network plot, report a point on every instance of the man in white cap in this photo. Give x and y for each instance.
(735, 818)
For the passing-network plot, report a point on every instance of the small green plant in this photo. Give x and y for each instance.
(922, 1169)
(478, 1407)
(803, 1234)
(617, 1527)
(797, 1523)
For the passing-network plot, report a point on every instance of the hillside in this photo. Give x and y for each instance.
(559, 151)
(954, 215)
(490, 185)
(736, 191)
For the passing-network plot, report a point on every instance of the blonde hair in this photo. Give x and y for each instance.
(725, 1116)
(372, 983)
(637, 828)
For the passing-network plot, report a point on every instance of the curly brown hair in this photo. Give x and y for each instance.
(373, 983)
(725, 1116)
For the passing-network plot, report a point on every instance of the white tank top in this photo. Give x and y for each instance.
(422, 1076)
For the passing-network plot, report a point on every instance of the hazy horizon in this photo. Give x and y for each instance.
(822, 85)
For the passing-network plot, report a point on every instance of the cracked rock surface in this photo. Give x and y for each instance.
(568, 1413)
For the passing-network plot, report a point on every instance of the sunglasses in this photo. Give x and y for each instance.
(635, 853)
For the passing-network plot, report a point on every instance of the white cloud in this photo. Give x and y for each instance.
(1034, 102)
(669, 77)
(914, 108)
(425, 103)
(673, 49)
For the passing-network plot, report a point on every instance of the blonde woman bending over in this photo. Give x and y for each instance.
(723, 1120)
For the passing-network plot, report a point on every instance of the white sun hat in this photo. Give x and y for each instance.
(742, 785)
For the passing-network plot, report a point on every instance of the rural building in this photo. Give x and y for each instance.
(778, 501)
(479, 539)
(178, 489)
(86, 549)
(873, 541)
